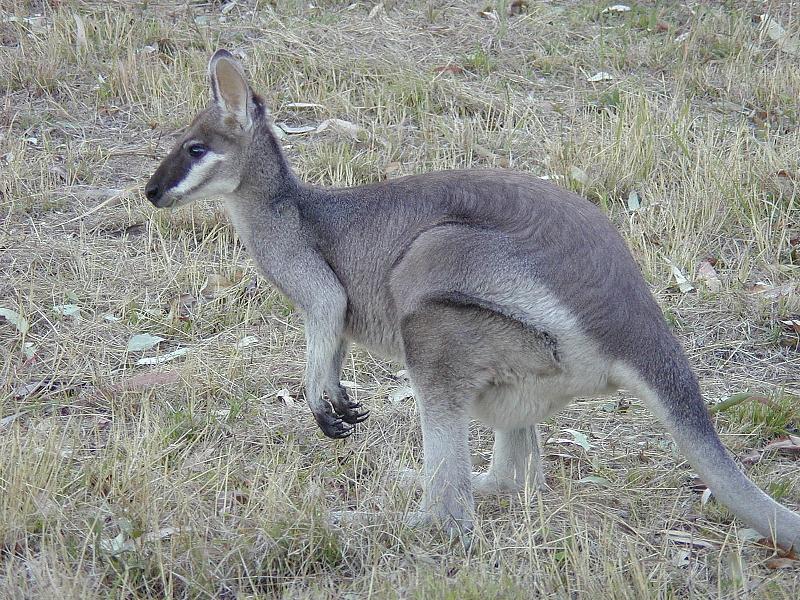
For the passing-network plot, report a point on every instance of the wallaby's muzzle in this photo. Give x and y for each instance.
(152, 191)
(164, 187)
(157, 185)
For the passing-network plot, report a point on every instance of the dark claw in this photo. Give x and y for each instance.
(332, 426)
(349, 411)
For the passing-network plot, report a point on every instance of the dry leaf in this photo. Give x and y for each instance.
(215, 285)
(285, 396)
(488, 13)
(687, 538)
(579, 175)
(600, 76)
(80, 33)
(17, 320)
(454, 69)
(781, 563)
(150, 379)
(401, 394)
(634, 202)
(393, 168)
(680, 557)
(790, 443)
(578, 438)
(616, 9)
(143, 341)
(36, 387)
(162, 358)
(708, 275)
(377, 11)
(68, 310)
(769, 291)
(751, 458)
(595, 479)
(779, 35)
(793, 324)
(246, 341)
(182, 306)
(517, 7)
(359, 134)
(295, 130)
(8, 420)
(779, 550)
(680, 280)
(228, 7)
(304, 105)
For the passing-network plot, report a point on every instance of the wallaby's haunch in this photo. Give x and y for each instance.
(505, 296)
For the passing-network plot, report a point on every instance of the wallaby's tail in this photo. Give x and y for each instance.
(674, 397)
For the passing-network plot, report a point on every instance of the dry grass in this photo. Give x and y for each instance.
(203, 484)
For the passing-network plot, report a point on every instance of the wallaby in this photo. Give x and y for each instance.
(506, 297)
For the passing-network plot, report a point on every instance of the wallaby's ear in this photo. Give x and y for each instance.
(229, 88)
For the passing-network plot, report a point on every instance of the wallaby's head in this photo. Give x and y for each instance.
(211, 156)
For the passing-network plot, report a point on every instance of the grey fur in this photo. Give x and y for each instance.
(506, 297)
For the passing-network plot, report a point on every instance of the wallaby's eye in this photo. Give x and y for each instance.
(196, 150)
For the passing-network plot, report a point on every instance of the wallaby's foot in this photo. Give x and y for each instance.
(483, 484)
(451, 525)
(348, 410)
(331, 424)
(489, 484)
(450, 528)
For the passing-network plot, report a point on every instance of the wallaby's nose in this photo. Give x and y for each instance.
(152, 191)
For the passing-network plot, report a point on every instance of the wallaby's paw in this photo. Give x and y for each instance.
(348, 410)
(331, 425)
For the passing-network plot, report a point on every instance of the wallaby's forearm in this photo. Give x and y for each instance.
(311, 285)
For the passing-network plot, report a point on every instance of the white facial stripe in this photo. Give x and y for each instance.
(197, 173)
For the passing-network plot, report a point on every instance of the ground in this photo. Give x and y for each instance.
(200, 473)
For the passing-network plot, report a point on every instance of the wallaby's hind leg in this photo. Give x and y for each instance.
(516, 463)
(455, 352)
(447, 498)
(446, 380)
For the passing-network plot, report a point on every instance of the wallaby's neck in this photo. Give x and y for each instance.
(267, 174)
